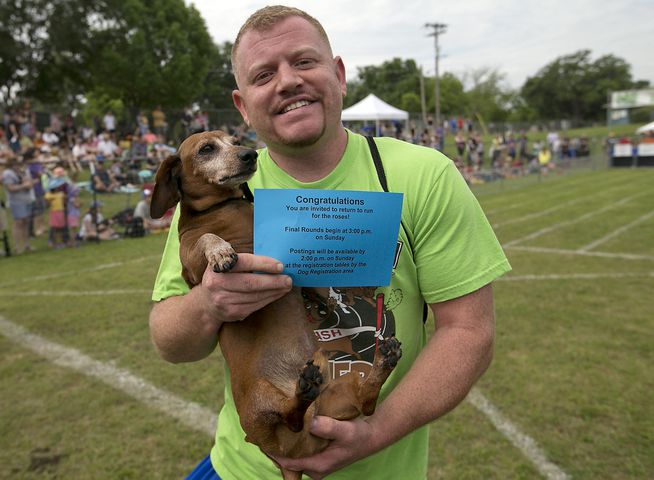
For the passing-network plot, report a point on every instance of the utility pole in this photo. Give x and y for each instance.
(437, 29)
(423, 106)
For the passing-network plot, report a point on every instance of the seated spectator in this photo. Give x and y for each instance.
(50, 137)
(116, 170)
(103, 181)
(81, 153)
(142, 211)
(107, 148)
(94, 226)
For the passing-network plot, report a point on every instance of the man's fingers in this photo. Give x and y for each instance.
(248, 262)
(248, 282)
(326, 427)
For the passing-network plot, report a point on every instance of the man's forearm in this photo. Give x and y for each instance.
(438, 381)
(443, 374)
(181, 328)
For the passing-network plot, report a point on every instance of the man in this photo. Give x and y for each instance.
(159, 121)
(107, 147)
(290, 91)
(142, 211)
(103, 180)
(109, 122)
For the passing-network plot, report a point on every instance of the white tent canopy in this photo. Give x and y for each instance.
(373, 108)
(646, 128)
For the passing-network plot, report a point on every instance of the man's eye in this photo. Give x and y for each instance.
(304, 63)
(262, 77)
(208, 148)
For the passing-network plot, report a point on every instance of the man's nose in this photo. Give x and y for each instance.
(289, 78)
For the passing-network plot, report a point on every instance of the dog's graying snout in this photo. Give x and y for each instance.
(247, 156)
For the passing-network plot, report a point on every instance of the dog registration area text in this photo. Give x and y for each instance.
(329, 237)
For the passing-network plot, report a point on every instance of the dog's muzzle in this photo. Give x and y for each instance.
(247, 156)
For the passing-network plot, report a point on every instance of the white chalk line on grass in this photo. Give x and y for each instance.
(76, 272)
(561, 251)
(572, 276)
(522, 442)
(201, 419)
(586, 216)
(616, 232)
(610, 183)
(190, 414)
(547, 211)
(76, 293)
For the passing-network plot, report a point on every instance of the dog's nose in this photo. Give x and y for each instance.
(247, 156)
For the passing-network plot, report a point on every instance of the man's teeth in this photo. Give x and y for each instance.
(295, 105)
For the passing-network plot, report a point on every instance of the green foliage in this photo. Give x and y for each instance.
(454, 99)
(97, 104)
(45, 47)
(155, 56)
(219, 81)
(573, 86)
(142, 52)
(388, 81)
(410, 102)
(487, 96)
(398, 83)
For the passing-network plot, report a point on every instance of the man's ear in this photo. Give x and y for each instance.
(239, 103)
(340, 73)
(166, 192)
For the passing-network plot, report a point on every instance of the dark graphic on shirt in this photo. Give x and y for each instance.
(349, 322)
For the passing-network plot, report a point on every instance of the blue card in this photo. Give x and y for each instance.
(329, 237)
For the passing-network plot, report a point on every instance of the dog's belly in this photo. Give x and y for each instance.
(273, 343)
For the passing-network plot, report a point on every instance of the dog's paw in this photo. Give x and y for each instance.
(391, 351)
(309, 382)
(222, 259)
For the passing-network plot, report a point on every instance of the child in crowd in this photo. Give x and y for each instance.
(73, 213)
(57, 199)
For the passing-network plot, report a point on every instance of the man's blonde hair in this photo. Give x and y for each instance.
(266, 18)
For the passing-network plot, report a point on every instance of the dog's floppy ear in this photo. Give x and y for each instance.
(166, 189)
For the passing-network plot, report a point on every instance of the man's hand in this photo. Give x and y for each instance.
(185, 328)
(351, 440)
(238, 293)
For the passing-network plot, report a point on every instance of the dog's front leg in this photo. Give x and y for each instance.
(209, 249)
(219, 254)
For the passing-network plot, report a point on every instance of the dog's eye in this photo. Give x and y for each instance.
(208, 148)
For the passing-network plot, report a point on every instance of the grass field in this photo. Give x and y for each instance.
(569, 392)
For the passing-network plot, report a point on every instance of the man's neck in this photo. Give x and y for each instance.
(314, 162)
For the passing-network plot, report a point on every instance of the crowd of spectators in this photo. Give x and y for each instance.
(44, 171)
(505, 155)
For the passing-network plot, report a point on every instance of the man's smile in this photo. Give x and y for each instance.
(295, 105)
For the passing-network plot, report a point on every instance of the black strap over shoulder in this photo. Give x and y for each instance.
(381, 174)
(376, 158)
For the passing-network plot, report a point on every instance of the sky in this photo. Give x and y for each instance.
(515, 37)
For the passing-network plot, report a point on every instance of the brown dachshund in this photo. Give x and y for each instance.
(280, 377)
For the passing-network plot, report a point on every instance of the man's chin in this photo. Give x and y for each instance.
(299, 140)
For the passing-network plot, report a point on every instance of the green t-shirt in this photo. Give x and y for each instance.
(446, 249)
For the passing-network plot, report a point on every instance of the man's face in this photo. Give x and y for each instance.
(290, 87)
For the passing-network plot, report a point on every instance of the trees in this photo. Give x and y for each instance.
(45, 47)
(143, 52)
(155, 55)
(389, 81)
(573, 86)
